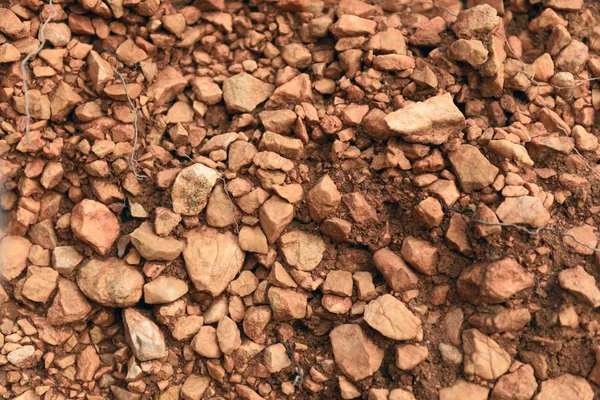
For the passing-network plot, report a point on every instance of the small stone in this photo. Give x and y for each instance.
(194, 387)
(395, 271)
(483, 356)
(351, 25)
(192, 188)
(323, 199)
(481, 19)
(9, 53)
(94, 224)
(338, 283)
(409, 356)
(302, 250)
(472, 168)
(584, 241)
(153, 247)
(565, 387)
(243, 92)
(69, 304)
(14, 251)
(111, 282)
(39, 283)
(581, 285)
(360, 209)
(469, 51)
(518, 385)
(347, 389)
(168, 84)
(164, 289)
(296, 55)
(228, 336)
(462, 390)
(420, 254)
(392, 319)
(429, 213)
(278, 121)
(275, 215)
(206, 344)
(295, 91)
(573, 57)
(253, 239)
(355, 354)
(287, 304)
(23, 357)
(88, 363)
(206, 90)
(276, 358)
(145, 338)
(165, 221)
(526, 210)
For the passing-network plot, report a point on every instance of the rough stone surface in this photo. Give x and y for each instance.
(392, 319)
(355, 354)
(110, 282)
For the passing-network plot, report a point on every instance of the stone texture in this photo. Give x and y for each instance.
(164, 289)
(111, 282)
(565, 387)
(302, 250)
(581, 285)
(323, 199)
(392, 319)
(355, 354)
(483, 356)
(145, 338)
(94, 224)
(525, 210)
(397, 274)
(243, 92)
(192, 188)
(153, 247)
(472, 168)
(13, 256)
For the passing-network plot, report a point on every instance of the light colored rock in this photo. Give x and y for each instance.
(420, 254)
(144, 336)
(527, 210)
(565, 387)
(409, 356)
(168, 84)
(581, 285)
(392, 319)
(94, 224)
(69, 304)
(243, 92)
(397, 274)
(462, 390)
(584, 239)
(354, 353)
(23, 357)
(287, 304)
(228, 336)
(302, 250)
(518, 385)
(153, 247)
(276, 358)
(192, 188)
(164, 289)
(323, 199)
(483, 356)
(206, 344)
(13, 256)
(472, 168)
(275, 215)
(194, 387)
(39, 283)
(111, 282)
(253, 239)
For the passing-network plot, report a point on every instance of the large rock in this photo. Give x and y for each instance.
(495, 282)
(392, 319)
(483, 356)
(431, 121)
(243, 92)
(565, 387)
(192, 188)
(301, 250)
(323, 199)
(64, 99)
(23, 357)
(94, 224)
(69, 304)
(111, 282)
(355, 354)
(13, 256)
(212, 259)
(397, 274)
(526, 210)
(39, 283)
(478, 20)
(294, 91)
(472, 168)
(168, 84)
(287, 304)
(518, 385)
(153, 247)
(145, 338)
(581, 285)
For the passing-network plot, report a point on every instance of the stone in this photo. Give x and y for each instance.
(276, 358)
(23, 357)
(472, 168)
(99, 71)
(244, 285)
(352, 25)
(526, 210)
(164, 289)
(10, 24)
(192, 188)
(243, 92)
(565, 387)
(573, 57)
(278, 121)
(39, 283)
(253, 239)
(165, 221)
(64, 100)
(429, 213)
(194, 387)
(153, 247)
(296, 55)
(395, 271)
(301, 250)
(143, 336)
(228, 336)
(581, 285)
(206, 90)
(255, 321)
(462, 390)
(88, 363)
(584, 239)
(409, 356)
(212, 259)
(323, 199)
(456, 235)
(420, 254)
(58, 34)
(347, 389)
(429, 122)
(275, 215)
(206, 344)
(518, 385)
(272, 161)
(470, 51)
(14, 251)
(295, 91)
(287, 304)
(285, 146)
(481, 19)
(111, 282)
(389, 41)
(360, 209)
(94, 224)
(168, 84)
(9, 53)
(338, 283)
(392, 319)
(495, 282)
(354, 353)
(69, 304)
(483, 356)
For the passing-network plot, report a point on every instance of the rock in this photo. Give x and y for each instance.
(99, 71)
(145, 338)
(164, 289)
(323, 199)
(347, 389)
(13, 256)
(69, 304)
(9, 53)
(420, 254)
(360, 210)
(409, 356)
(469, 51)
(10, 24)
(456, 235)
(88, 363)
(351, 25)
(276, 358)
(287, 304)
(206, 90)
(153, 247)
(338, 283)
(302, 250)
(495, 282)
(168, 84)
(429, 213)
(244, 285)
(355, 354)
(206, 344)
(228, 336)
(584, 239)
(503, 320)
(483, 356)
(278, 121)
(192, 188)
(393, 62)
(122, 394)
(212, 259)
(256, 320)
(94, 224)
(472, 168)
(296, 55)
(23, 357)
(285, 146)
(194, 387)
(253, 239)
(395, 271)
(392, 319)
(111, 282)
(272, 161)
(295, 91)
(518, 385)
(275, 215)
(573, 57)
(526, 210)
(481, 19)
(389, 41)
(243, 92)
(430, 122)
(462, 390)
(64, 100)
(565, 5)
(581, 285)
(58, 34)
(39, 283)
(165, 221)
(565, 387)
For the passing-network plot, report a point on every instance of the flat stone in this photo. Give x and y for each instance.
(164, 289)
(276, 358)
(287, 304)
(111, 282)
(23, 357)
(275, 215)
(581, 285)
(323, 199)
(69, 304)
(243, 92)
(462, 390)
(144, 336)
(94, 224)
(483, 356)
(392, 319)
(565, 387)
(584, 239)
(153, 247)
(39, 283)
(14, 251)
(397, 274)
(354, 353)
(302, 250)
(472, 168)
(168, 84)
(526, 210)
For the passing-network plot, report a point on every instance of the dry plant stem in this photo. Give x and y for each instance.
(299, 377)
(467, 211)
(25, 68)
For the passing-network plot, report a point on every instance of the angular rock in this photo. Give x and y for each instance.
(192, 188)
(287, 304)
(111, 282)
(323, 199)
(13, 256)
(69, 304)
(295, 91)
(409, 356)
(228, 336)
(355, 354)
(168, 84)
(212, 259)
(472, 168)
(275, 215)
(144, 336)
(302, 250)
(206, 344)
(565, 387)
(253, 239)
(88, 363)
(420, 254)
(581, 285)
(164, 289)
(462, 390)
(64, 99)
(526, 210)
(518, 385)
(395, 271)
(276, 358)
(243, 92)
(153, 247)
(584, 239)
(430, 122)
(469, 51)
(392, 319)
(94, 224)
(39, 283)
(194, 387)
(481, 19)
(483, 356)
(23, 357)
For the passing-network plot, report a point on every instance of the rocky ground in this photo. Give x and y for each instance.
(300, 199)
